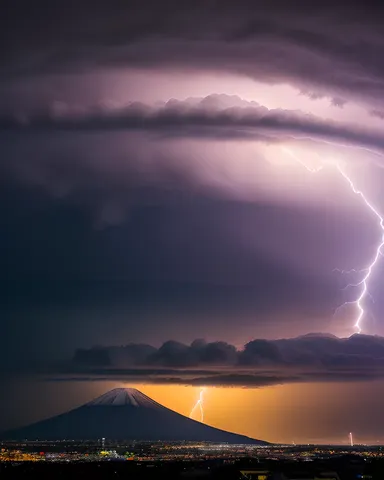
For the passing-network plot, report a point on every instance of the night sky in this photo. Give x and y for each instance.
(176, 210)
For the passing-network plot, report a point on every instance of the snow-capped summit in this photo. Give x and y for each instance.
(124, 396)
(124, 414)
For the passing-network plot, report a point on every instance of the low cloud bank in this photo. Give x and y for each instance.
(215, 116)
(308, 358)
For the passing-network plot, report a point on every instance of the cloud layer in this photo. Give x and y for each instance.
(215, 116)
(319, 46)
(313, 357)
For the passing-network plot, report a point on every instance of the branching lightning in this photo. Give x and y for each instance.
(367, 271)
(199, 406)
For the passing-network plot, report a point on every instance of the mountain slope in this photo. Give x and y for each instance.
(124, 414)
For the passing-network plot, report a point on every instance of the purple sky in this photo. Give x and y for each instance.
(155, 184)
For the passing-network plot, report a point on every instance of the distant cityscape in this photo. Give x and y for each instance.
(104, 459)
(72, 451)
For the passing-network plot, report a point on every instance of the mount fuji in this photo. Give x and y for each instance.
(125, 414)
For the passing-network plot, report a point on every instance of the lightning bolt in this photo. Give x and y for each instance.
(199, 405)
(363, 283)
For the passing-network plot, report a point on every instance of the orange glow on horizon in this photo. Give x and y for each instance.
(299, 412)
(276, 414)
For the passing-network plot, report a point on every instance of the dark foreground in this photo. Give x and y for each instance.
(343, 468)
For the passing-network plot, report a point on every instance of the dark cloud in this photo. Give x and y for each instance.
(331, 49)
(338, 102)
(309, 358)
(214, 379)
(134, 354)
(378, 114)
(176, 354)
(215, 116)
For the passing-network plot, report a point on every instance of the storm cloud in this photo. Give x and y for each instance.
(309, 358)
(216, 116)
(321, 47)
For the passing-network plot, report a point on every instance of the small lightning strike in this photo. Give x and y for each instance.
(199, 405)
(359, 302)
